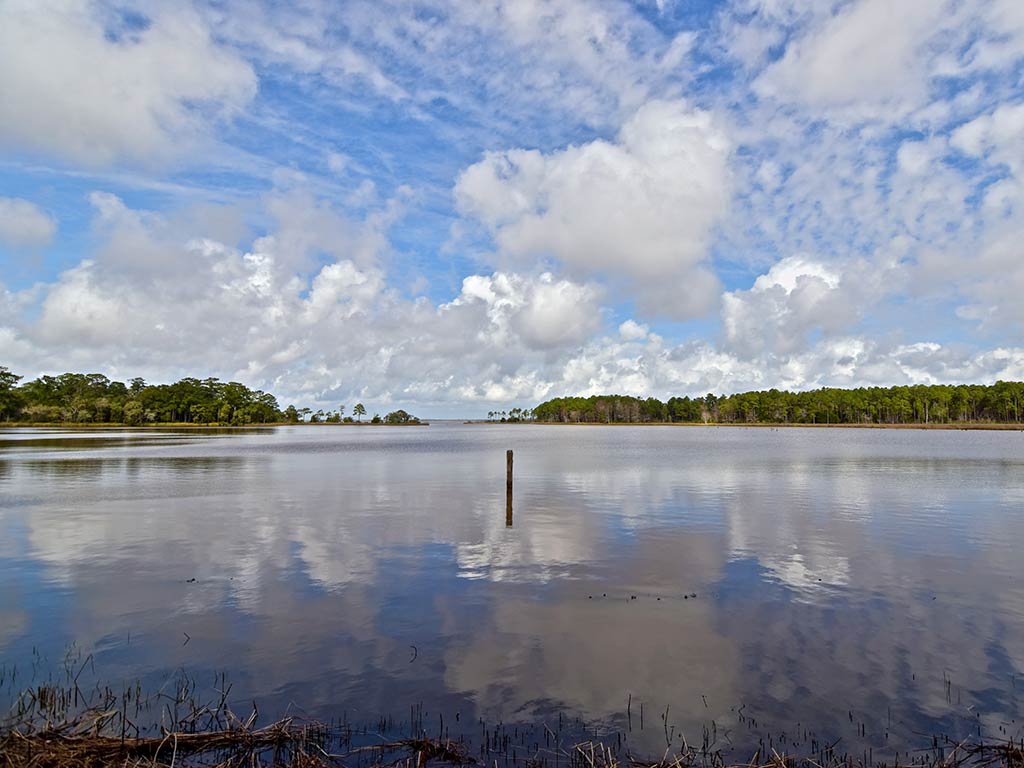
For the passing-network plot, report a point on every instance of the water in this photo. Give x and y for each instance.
(751, 579)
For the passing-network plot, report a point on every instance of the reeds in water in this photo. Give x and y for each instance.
(62, 726)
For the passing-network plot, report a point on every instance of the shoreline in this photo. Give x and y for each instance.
(86, 426)
(964, 427)
(186, 425)
(57, 724)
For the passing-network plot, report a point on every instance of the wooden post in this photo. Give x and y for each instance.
(508, 489)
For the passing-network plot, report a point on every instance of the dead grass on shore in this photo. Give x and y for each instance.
(53, 726)
(288, 744)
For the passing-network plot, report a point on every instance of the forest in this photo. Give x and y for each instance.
(82, 398)
(919, 404)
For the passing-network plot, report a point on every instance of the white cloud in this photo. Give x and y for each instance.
(99, 91)
(302, 326)
(630, 330)
(998, 136)
(24, 223)
(523, 313)
(867, 57)
(330, 329)
(640, 209)
(915, 157)
(605, 366)
(989, 269)
(590, 61)
(795, 297)
(558, 313)
(992, 283)
(876, 61)
(279, 36)
(582, 53)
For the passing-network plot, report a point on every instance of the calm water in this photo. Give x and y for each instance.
(865, 574)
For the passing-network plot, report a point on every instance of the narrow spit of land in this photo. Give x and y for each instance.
(183, 425)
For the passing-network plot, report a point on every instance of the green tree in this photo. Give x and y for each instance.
(133, 411)
(922, 404)
(10, 398)
(359, 411)
(400, 417)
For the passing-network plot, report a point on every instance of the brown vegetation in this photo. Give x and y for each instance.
(60, 726)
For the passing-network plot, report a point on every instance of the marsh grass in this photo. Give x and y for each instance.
(60, 725)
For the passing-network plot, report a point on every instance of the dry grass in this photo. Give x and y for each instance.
(62, 727)
(281, 744)
(289, 744)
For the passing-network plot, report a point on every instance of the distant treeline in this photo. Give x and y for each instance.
(922, 404)
(94, 398)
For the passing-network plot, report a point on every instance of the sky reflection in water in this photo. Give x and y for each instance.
(835, 571)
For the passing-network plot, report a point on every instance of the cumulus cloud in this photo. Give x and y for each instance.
(543, 312)
(796, 296)
(99, 87)
(654, 368)
(24, 223)
(631, 330)
(317, 322)
(640, 209)
(276, 314)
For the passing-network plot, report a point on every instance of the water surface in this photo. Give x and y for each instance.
(821, 577)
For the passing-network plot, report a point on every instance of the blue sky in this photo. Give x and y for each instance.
(461, 206)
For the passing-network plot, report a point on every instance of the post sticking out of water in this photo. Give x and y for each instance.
(508, 489)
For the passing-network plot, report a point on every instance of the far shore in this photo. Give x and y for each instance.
(86, 425)
(998, 427)
(191, 425)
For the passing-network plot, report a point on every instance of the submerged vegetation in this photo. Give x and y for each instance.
(1002, 402)
(92, 398)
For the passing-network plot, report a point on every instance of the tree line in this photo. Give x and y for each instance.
(1001, 402)
(94, 398)
(513, 416)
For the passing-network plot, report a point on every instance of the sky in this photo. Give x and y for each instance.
(464, 206)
